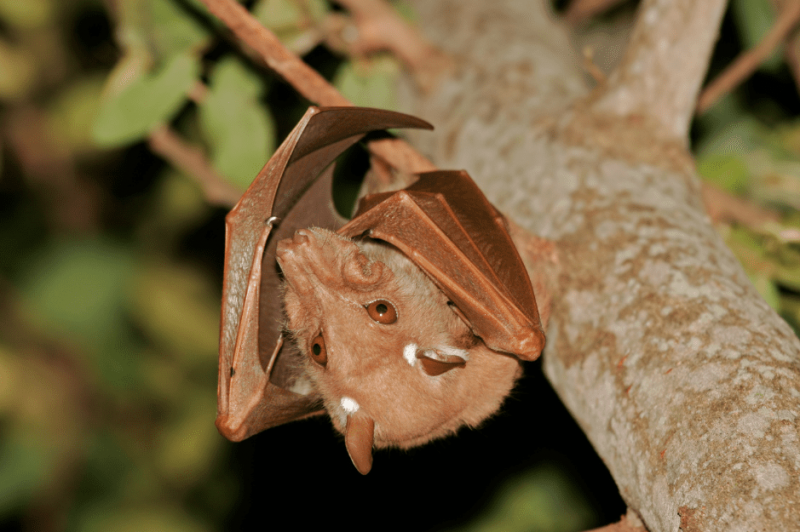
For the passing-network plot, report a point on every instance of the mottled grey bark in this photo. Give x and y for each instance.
(683, 378)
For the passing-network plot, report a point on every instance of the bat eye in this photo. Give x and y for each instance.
(319, 353)
(382, 311)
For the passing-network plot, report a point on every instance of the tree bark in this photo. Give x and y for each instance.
(682, 377)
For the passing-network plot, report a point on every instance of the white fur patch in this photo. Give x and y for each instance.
(302, 386)
(453, 351)
(349, 405)
(410, 354)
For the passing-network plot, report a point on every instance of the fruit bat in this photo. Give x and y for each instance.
(403, 324)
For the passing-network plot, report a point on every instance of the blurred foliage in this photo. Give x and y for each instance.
(761, 162)
(544, 499)
(111, 260)
(753, 19)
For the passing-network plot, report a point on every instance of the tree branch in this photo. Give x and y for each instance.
(664, 65)
(192, 161)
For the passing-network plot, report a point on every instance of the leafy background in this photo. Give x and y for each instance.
(110, 280)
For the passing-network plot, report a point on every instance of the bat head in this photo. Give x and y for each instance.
(395, 364)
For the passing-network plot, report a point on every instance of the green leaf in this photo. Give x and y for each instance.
(369, 83)
(774, 181)
(18, 71)
(295, 22)
(27, 14)
(283, 15)
(754, 18)
(174, 29)
(767, 289)
(406, 10)
(147, 101)
(238, 128)
(177, 308)
(162, 28)
(188, 447)
(738, 136)
(233, 79)
(727, 171)
(79, 289)
(26, 465)
(790, 310)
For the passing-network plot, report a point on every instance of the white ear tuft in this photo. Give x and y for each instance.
(410, 353)
(349, 405)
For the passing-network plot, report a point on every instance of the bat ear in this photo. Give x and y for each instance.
(359, 435)
(440, 364)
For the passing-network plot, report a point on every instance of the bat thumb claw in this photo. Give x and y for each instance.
(358, 438)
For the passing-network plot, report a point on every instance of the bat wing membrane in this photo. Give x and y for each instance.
(445, 225)
(290, 192)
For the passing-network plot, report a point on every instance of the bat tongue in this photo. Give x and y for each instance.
(358, 438)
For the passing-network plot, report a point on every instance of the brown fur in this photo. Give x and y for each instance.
(329, 282)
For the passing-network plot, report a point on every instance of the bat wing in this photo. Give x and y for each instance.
(255, 378)
(448, 228)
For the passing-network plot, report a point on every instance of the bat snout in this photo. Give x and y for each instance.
(309, 259)
(301, 237)
(295, 249)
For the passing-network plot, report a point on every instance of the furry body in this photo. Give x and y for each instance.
(382, 371)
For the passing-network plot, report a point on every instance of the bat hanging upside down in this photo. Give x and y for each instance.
(404, 324)
(392, 359)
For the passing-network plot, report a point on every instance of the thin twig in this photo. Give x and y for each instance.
(749, 61)
(305, 79)
(580, 10)
(664, 65)
(192, 161)
(724, 207)
(593, 70)
(198, 92)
